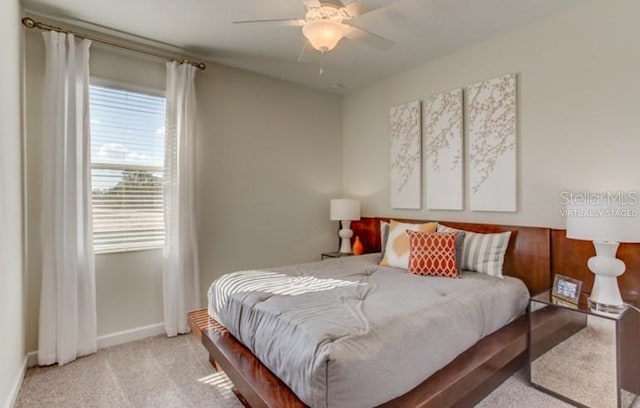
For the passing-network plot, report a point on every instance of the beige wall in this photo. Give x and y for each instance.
(578, 113)
(12, 296)
(269, 159)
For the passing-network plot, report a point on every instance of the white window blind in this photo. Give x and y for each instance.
(127, 159)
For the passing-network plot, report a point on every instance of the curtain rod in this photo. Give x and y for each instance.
(31, 23)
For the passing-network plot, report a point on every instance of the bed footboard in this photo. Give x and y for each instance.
(464, 382)
(256, 386)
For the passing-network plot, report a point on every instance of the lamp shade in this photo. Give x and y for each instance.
(603, 222)
(323, 34)
(344, 209)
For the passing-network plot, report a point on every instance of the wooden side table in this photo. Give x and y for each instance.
(335, 254)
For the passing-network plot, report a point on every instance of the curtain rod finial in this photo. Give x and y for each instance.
(28, 22)
(202, 66)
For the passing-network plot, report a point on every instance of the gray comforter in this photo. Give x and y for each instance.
(347, 332)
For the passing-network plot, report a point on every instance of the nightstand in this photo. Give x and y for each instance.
(584, 358)
(335, 254)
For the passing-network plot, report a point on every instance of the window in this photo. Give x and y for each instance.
(127, 168)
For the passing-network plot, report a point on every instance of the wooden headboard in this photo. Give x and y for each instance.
(528, 255)
(570, 256)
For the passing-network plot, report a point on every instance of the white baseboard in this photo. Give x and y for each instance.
(114, 339)
(32, 358)
(127, 336)
(13, 394)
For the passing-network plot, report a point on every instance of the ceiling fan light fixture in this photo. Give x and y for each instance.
(323, 34)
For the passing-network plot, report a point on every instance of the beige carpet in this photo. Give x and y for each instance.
(163, 372)
(155, 372)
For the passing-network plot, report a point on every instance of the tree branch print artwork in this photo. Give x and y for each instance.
(491, 114)
(406, 155)
(443, 147)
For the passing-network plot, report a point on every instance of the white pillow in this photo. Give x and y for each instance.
(482, 253)
(396, 252)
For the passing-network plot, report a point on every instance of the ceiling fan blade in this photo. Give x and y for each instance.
(359, 7)
(336, 3)
(367, 38)
(316, 3)
(290, 22)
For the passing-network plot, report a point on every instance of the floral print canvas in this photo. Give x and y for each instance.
(406, 156)
(443, 151)
(491, 116)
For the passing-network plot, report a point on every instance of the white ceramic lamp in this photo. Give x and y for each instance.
(345, 211)
(606, 225)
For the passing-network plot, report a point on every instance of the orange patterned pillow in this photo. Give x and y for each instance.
(432, 254)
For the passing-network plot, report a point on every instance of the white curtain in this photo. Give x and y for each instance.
(67, 301)
(180, 264)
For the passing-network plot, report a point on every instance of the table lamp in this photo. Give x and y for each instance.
(345, 211)
(606, 224)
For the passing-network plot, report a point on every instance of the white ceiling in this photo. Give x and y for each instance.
(421, 29)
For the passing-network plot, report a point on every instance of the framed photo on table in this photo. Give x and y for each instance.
(566, 289)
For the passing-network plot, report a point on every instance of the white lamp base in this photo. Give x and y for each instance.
(605, 295)
(346, 234)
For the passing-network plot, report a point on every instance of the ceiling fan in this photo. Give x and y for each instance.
(326, 22)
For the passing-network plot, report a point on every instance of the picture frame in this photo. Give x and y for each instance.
(566, 289)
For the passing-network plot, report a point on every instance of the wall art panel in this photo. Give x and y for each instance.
(406, 156)
(443, 151)
(491, 118)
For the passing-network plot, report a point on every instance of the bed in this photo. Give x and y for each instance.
(360, 355)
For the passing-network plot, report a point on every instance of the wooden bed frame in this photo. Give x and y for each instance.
(462, 383)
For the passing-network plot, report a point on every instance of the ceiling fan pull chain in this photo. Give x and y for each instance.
(321, 73)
